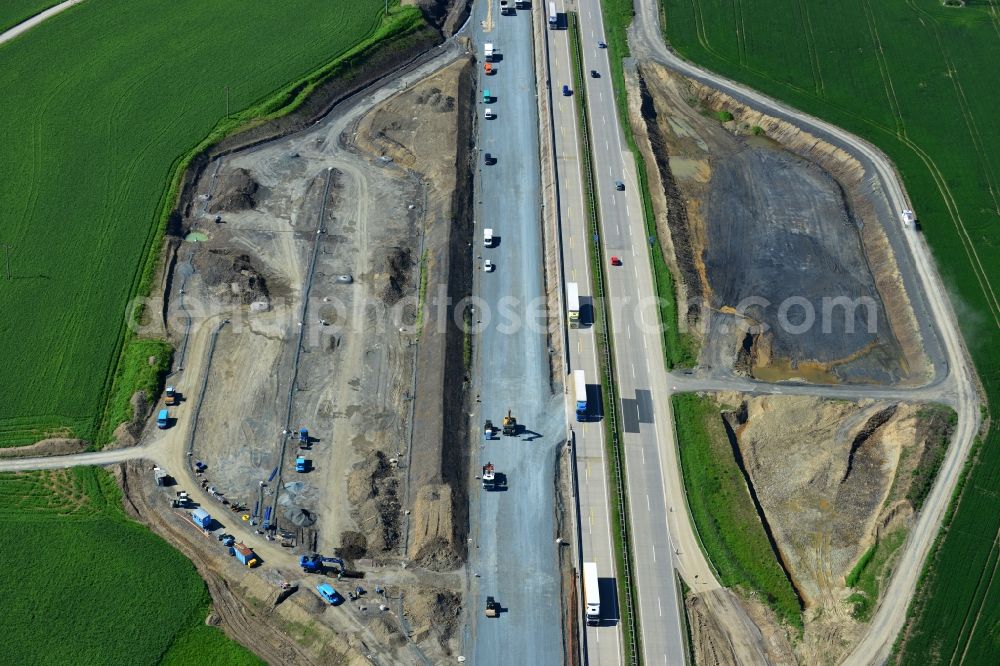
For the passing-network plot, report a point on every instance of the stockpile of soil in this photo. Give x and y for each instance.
(432, 613)
(232, 277)
(396, 274)
(237, 193)
(373, 488)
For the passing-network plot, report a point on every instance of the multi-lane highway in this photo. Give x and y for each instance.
(513, 549)
(602, 643)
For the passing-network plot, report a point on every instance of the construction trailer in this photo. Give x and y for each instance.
(244, 555)
(201, 518)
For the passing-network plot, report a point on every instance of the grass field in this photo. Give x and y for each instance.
(83, 584)
(13, 12)
(727, 523)
(918, 79)
(94, 129)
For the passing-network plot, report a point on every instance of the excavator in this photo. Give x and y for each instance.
(509, 425)
(316, 563)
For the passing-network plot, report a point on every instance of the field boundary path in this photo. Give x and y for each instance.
(25, 26)
(646, 38)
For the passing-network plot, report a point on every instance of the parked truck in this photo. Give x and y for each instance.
(301, 464)
(170, 396)
(163, 419)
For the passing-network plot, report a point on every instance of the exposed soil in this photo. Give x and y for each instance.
(829, 477)
(764, 229)
(54, 446)
(237, 193)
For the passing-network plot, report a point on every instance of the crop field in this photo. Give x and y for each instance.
(13, 12)
(917, 79)
(727, 523)
(83, 584)
(97, 107)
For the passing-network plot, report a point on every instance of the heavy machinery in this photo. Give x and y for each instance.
(301, 464)
(316, 563)
(303, 438)
(509, 425)
(170, 396)
(489, 476)
(492, 607)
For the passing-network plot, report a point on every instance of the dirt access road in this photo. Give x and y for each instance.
(35, 20)
(646, 38)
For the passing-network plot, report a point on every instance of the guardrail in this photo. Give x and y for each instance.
(609, 391)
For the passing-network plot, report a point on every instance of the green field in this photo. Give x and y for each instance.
(918, 79)
(98, 106)
(727, 523)
(13, 12)
(83, 584)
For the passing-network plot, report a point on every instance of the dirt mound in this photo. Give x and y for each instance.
(300, 517)
(237, 193)
(128, 433)
(54, 446)
(373, 489)
(353, 545)
(437, 100)
(432, 540)
(432, 612)
(396, 274)
(232, 277)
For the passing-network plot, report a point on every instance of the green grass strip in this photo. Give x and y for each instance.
(729, 528)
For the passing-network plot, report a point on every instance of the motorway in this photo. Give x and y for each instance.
(603, 643)
(514, 550)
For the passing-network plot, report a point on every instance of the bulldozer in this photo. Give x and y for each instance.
(509, 425)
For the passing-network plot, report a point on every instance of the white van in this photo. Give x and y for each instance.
(488, 237)
(489, 114)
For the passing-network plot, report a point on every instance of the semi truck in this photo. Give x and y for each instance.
(580, 383)
(591, 593)
(553, 16)
(506, 7)
(573, 304)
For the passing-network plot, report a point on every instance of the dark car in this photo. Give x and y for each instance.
(602, 45)
(620, 186)
(566, 91)
(594, 74)
(489, 159)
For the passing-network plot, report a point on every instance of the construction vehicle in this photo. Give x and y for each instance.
(492, 607)
(509, 425)
(316, 563)
(163, 419)
(329, 594)
(300, 464)
(489, 476)
(489, 430)
(303, 436)
(506, 7)
(170, 397)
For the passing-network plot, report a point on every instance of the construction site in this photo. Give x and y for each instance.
(315, 422)
(755, 214)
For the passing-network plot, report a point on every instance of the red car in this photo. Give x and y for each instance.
(615, 261)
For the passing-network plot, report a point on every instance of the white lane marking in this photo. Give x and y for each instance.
(628, 331)
(604, 119)
(643, 452)
(659, 607)
(590, 522)
(633, 377)
(647, 503)
(654, 552)
(607, 147)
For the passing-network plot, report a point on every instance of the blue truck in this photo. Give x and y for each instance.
(163, 419)
(301, 464)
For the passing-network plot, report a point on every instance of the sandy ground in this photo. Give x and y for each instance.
(360, 195)
(754, 227)
(830, 478)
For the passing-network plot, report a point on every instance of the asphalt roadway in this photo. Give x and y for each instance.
(603, 643)
(514, 550)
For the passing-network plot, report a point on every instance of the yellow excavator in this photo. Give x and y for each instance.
(509, 425)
